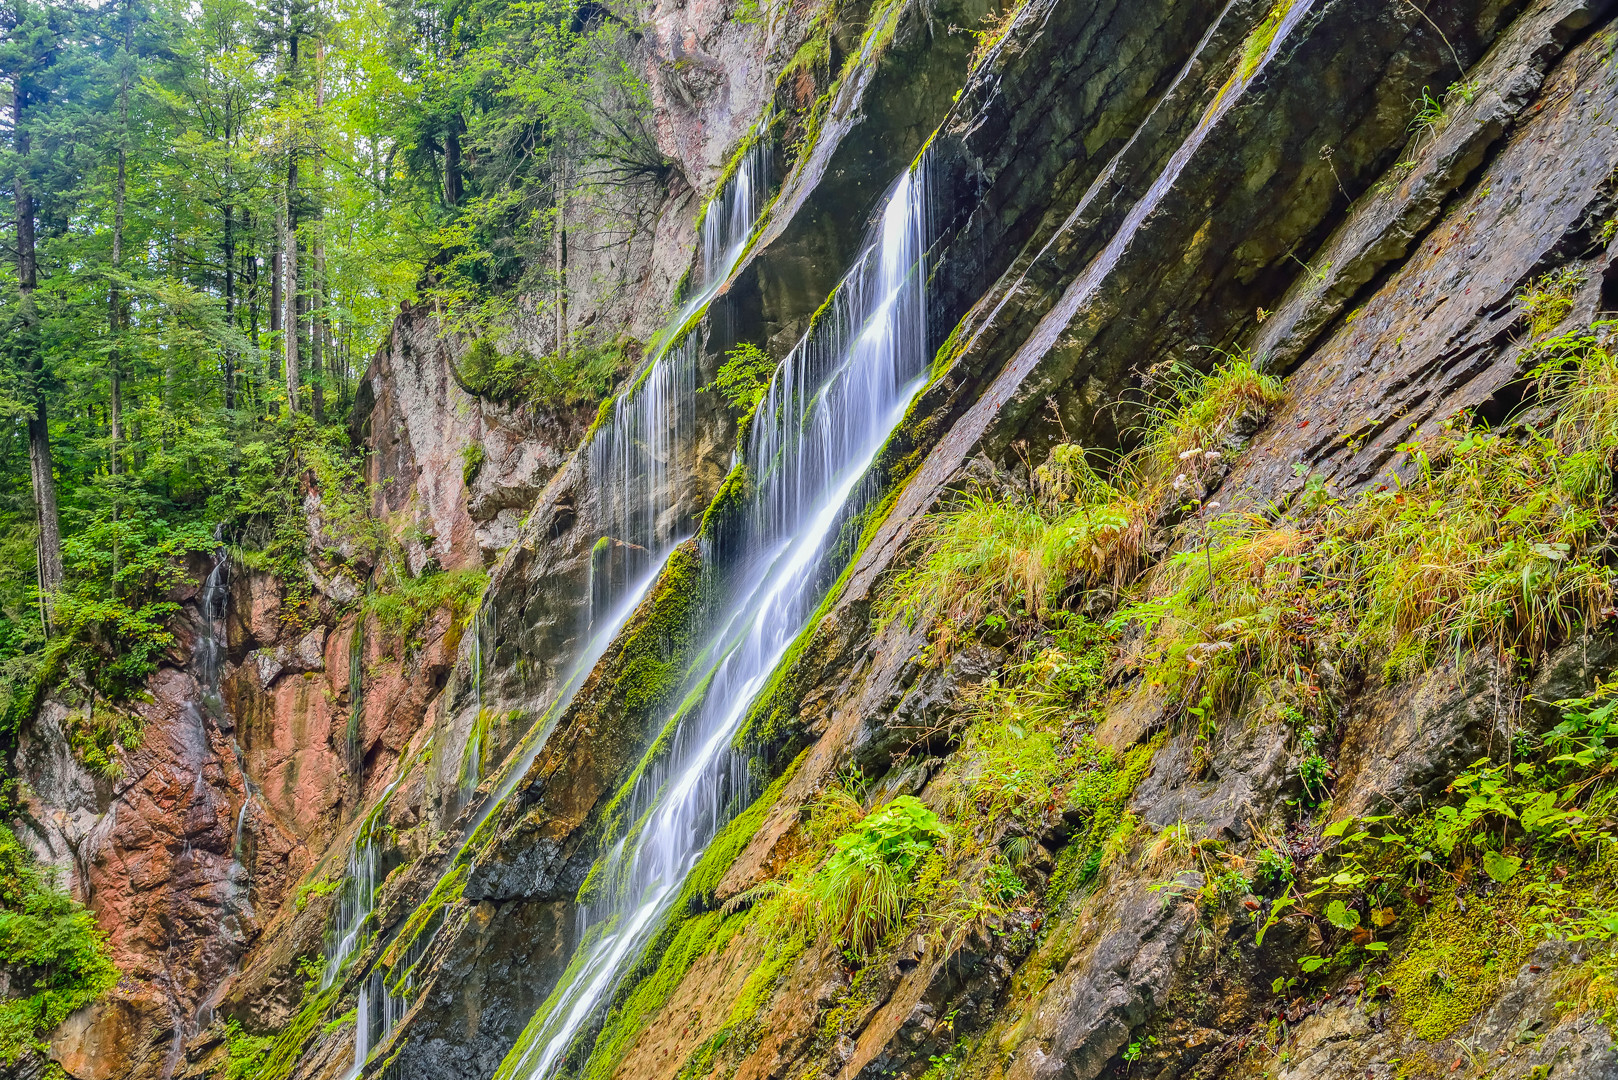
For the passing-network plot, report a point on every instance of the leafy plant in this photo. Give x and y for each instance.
(862, 891)
(744, 377)
(51, 953)
(580, 376)
(1547, 299)
(403, 603)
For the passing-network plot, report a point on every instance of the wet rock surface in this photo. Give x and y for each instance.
(1118, 187)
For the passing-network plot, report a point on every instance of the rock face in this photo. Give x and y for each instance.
(1115, 189)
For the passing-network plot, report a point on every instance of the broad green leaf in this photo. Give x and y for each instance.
(1501, 867)
(1342, 916)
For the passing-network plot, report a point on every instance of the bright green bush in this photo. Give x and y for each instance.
(743, 378)
(50, 950)
(584, 375)
(862, 891)
(402, 604)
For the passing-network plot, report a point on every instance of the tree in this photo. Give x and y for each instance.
(27, 66)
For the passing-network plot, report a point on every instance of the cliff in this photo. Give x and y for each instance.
(1178, 500)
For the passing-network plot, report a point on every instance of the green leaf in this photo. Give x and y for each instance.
(1501, 867)
(1342, 916)
(1337, 828)
(1376, 946)
(1313, 963)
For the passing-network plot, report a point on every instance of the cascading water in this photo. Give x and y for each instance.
(638, 461)
(357, 893)
(831, 405)
(635, 478)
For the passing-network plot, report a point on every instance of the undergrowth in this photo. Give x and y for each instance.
(1486, 540)
(1460, 894)
(578, 377)
(53, 959)
(1015, 557)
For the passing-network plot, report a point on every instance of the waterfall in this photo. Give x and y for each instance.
(635, 479)
(831, 405)
(357, 893)
(638, 462)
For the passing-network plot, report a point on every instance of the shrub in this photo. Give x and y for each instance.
(862, 891)
(402, 604)
(51, 953)
(744, 377)
(584, 375)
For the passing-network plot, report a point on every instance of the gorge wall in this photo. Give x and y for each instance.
(343, 852)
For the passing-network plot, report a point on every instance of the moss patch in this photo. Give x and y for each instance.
(1456, 960)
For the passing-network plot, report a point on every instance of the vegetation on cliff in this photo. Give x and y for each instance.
(1491, 541)
(52, 957)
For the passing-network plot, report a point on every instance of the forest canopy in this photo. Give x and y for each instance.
(210, 213)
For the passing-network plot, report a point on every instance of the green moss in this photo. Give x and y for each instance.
(603, 414)
(313, 888)
(244, 1053)
(472, 753)
(728, 502)
(612, 825)
(651, 663)
(447, 891)
(1104, 792)
(1456, 960)
(1263, 36)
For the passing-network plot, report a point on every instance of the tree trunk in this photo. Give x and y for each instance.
(279, 227)
(41, 470)
(561, 262)
(452, 162)
(291, 323)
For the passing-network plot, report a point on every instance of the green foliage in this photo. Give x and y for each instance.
(121, 572)
(1519, 854)
(277, 535)
(743, 378)
(244, 1053)
(315, 887)
(1015, 557)
(862, 891)
(403, 604)
(1491, 540)
(473, 455)
(111, 625)
(1547, 299)
(51, 953)
(1027, 748)
(95, 739)
(582, 376)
